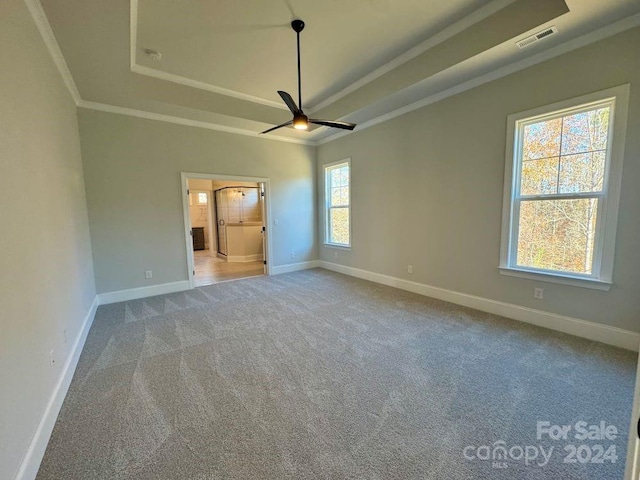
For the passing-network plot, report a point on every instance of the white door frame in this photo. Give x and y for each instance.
(184, 180)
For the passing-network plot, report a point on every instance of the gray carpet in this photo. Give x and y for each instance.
(315, 375)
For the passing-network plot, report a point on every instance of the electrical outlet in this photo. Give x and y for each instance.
(410, 269)
(293, 255)
(148, 274)
(335, 254)
(538, 293)
(52, 358)
(276, 222)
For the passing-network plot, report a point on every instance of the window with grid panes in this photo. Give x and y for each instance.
(562, 195)
(337, 183)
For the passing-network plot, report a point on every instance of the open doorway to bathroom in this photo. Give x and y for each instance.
(225, 222)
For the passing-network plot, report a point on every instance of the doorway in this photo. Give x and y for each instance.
(225, 227)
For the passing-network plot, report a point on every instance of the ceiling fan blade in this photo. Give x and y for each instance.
(289, 101)
(327, 123)
(279, 126)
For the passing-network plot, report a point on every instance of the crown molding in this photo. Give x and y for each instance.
(132, 112)
(579, 42)
(171, 77)
(133, 32)
(44, 27)
(42, 23)
(459, 26)
(474, 17)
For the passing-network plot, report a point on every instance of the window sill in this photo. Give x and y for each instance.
(337, 245)
(555, 278)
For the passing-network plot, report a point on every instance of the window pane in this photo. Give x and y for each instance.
(344, 195)
(335, 196)
(335, 177)
(557, 235)
(585, 132)
(539, 177)
(344, 176)
(339, 225)
(582, 172)
(542, 140)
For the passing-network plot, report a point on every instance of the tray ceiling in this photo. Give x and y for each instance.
(223, 61)
(249, 47)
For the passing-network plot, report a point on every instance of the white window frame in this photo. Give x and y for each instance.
(327, 203)
(601, 277)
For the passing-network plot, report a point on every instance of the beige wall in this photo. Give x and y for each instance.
(218, 184)
(200, 184)
(132, 172)
(46, 277)
(427, 187)
(244, 243)
(199, 214)
(241, 210)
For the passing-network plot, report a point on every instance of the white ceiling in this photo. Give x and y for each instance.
(223, 61)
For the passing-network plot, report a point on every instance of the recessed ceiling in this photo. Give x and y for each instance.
(223, 61)
(249, 47)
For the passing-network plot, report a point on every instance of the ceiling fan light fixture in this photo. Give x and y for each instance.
(301, 122)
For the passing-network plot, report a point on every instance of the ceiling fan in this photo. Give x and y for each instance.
(300, 121)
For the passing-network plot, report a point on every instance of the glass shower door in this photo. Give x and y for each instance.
(221, 216)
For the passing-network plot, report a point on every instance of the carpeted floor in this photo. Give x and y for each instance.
(315, 375)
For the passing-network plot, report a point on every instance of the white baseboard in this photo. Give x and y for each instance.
(31, 461)
(244, 258)
(294, 267)
(142, 292)
(581, 328)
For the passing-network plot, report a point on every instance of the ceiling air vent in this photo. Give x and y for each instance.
(547, 32)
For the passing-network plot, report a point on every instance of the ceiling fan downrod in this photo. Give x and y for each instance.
(300, 121)
(298, 26)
